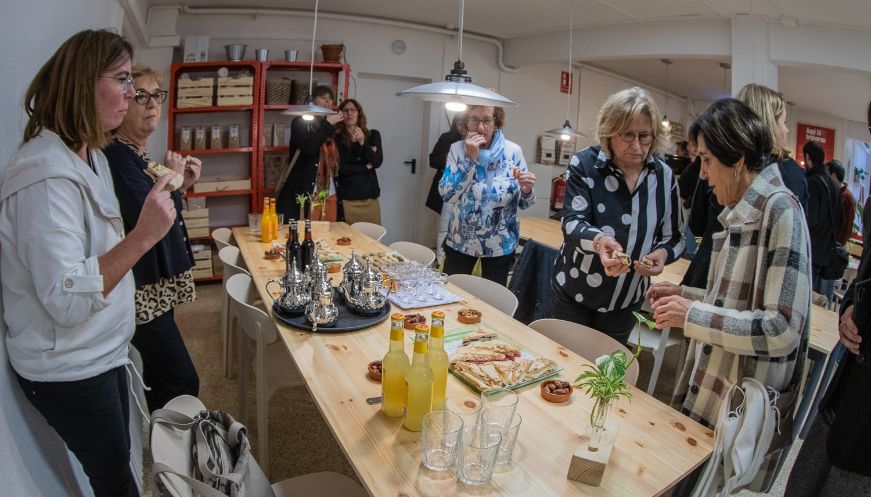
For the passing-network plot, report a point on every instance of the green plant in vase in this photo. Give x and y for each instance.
(321, 200)
(605, 383)
(301, 199)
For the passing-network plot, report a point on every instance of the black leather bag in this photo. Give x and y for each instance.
(837, 264)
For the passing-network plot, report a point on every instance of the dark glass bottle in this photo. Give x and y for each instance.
(292, 248)
(308, 246)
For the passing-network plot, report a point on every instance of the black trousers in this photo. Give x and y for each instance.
(91, 416)
(616, 324)
(167, 367)
(492, 268)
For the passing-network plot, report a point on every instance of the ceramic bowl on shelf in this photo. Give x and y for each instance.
(556, 391)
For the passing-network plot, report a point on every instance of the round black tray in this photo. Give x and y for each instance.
(348, 319)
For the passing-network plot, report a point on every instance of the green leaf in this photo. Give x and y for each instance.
(643, 320)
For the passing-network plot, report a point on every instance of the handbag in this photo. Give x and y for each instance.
(837, 265)
(284, 172)
(222, 462)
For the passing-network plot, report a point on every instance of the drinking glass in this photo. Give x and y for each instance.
(440, 435)
(502, 403)
(477, 458)
(509, 432)
(465, 405)
(254, 223)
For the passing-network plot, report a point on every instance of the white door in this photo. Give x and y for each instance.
(400, 121)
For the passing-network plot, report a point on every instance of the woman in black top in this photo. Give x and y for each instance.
(309, 137)
(163, 275)
(360, 155)
(619, 198)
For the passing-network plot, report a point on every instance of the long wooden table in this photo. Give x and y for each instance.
(823, 328)
(656, 446)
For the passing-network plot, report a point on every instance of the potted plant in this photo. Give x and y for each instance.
(301, 199)
(606, 384)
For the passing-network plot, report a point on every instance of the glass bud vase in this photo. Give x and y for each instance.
(597, 423)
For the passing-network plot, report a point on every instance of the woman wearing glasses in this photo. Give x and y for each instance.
(620, 199)
(163, 275)
(485, 181)
(67, 287)
(359, 156)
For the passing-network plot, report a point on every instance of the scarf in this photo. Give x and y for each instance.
(490, 157)
(328, 166)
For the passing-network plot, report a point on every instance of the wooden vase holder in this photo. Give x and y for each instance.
(589, 466)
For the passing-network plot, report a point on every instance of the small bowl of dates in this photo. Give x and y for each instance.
(556, 391)
(375, 371)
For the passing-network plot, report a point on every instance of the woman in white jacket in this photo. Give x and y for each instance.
(67, 288)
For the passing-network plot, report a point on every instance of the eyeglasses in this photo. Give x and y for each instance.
(643, 138)
(474, 122)
(126, 82)
(142, 97)
(349, 110)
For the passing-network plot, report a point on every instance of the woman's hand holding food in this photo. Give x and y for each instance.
(652, 264)
(609, 249)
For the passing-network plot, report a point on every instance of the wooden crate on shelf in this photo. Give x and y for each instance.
(222, 185)
(194, 93)
(236, 91)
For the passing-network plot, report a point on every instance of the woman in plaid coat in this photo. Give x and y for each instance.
(753, 318)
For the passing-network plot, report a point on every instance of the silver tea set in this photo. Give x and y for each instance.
(311, 292)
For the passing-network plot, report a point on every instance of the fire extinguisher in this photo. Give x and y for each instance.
(558, 192)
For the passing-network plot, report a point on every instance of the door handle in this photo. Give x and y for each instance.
(413, 164)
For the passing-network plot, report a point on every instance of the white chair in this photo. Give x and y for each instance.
(491, 292)
(372, 230)
(223, 237)
(584, 341)
(231, 259)
(414, 251)
(273, 366)
(657, 341)
(172, 447)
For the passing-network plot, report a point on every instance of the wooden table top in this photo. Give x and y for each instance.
(656, 445)
(824, 323)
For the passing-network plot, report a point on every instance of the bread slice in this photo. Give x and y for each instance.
(504, 369)
(157, 171)
(478, 335)
(518, 371)
(482, 376)
(538, 368)
(471, 354)
(497, 346)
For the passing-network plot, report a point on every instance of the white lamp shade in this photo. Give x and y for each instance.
(565, 130)
(309, 108)
(467, 93)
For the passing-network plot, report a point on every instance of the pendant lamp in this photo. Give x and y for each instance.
(457, 90)
(665, 121)
(310, 110)
(566, 132)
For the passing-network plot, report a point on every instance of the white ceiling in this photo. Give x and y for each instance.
(513, 18)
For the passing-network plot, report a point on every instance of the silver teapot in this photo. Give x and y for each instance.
(352, 275)
(295, 292)
(369, 299)
(321, 310)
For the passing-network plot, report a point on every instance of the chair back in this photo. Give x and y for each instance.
(414, 252)
(491, 292)
(231, 259)
(223, 237)
(251, 319)
(372, 230)
(584, 341)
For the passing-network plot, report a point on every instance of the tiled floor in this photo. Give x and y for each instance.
(300, 441)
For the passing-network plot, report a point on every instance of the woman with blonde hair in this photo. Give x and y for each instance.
(619, 198)
(65, 259)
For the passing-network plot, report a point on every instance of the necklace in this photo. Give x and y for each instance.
(141, 152)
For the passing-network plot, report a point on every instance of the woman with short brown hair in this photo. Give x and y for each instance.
(360, 155)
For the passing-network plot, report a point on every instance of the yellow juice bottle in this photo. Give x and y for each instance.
(418, 382)
(394, 367)
(274, 219)
(438, 359)
(265, 226)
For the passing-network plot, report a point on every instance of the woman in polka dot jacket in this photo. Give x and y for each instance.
(619, 198)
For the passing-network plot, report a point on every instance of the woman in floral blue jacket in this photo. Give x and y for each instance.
(485, 180)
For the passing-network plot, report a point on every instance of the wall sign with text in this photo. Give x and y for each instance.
(565, 82)
(808, 132)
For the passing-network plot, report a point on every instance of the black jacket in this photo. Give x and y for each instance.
(438, 159)
(307, 137)
(823, 214)
(170, 256)
(794, 179)
(356, 181)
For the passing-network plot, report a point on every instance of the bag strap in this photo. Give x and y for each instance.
(199, 487)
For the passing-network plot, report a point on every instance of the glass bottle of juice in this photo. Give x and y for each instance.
(274, 219)
(265, 224)
(438, 359)
(418, 382)
(394, 367)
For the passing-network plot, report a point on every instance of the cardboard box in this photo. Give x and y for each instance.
(185, 139)
(200, 138)
(546, 150)
(233, 140)
(216, 137)
(196, 49)
(222, 185)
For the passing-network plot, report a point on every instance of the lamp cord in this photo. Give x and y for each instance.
(571, 33)
(460, 40)
(311, 65)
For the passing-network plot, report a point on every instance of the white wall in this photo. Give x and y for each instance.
(34, 461)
